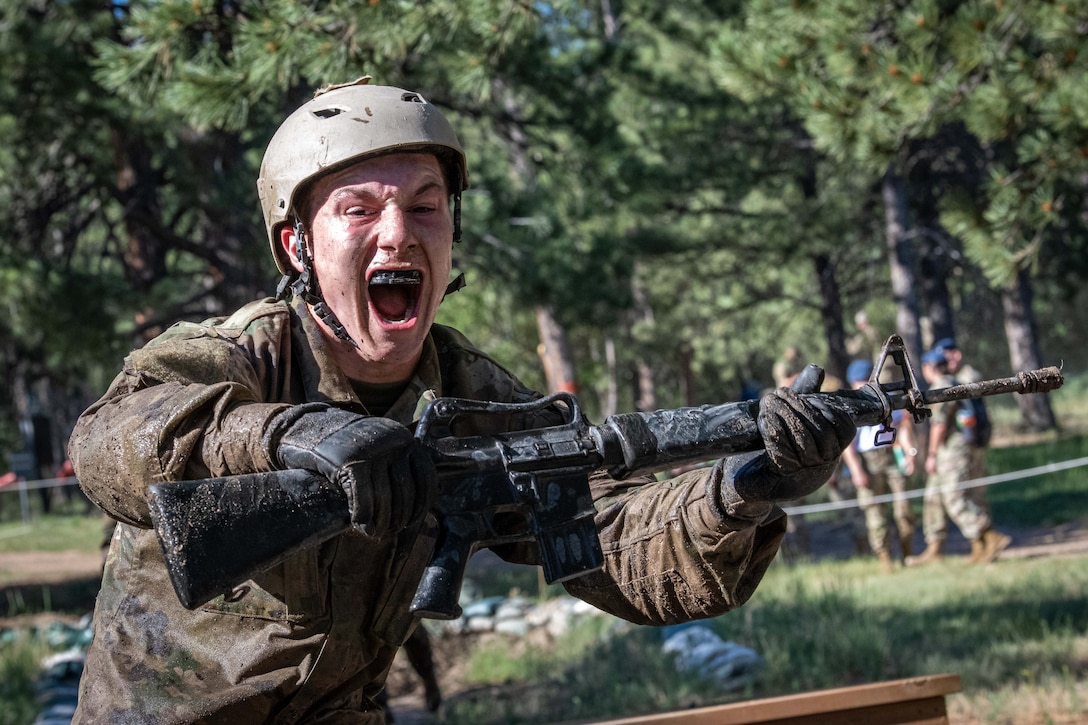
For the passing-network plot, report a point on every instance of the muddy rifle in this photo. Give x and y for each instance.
(518, 486)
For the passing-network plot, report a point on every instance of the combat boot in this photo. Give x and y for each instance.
(993, 543)
(886, 564)
(977, 547)
(933, 553)
(906, 546)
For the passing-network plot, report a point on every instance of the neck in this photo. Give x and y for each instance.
(372, 372)
(351, 360)
(377, 398)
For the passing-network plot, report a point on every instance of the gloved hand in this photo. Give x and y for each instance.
(802, 441)
(389, 478)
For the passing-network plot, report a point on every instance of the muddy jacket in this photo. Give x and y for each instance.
(312, 639)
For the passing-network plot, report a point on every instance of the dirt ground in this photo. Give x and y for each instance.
(25, 575)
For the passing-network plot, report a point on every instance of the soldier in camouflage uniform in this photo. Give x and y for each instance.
(361, 193)
(950, 460)
(875, 471)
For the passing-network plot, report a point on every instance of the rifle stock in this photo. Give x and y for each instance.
(519, 486)
(216, 533)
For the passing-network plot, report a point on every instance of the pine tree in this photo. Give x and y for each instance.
(879, 85)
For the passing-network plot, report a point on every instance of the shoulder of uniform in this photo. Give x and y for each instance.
(450, 340)
(473, 373)
(261, 313)
(258, 309)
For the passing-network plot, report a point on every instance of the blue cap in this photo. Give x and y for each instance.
(859, 371)
(946, 343)
(933, 357)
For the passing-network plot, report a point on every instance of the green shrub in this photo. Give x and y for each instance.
(20, 665)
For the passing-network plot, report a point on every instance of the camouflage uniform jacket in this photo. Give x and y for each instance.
(954, 446)
(312, 639)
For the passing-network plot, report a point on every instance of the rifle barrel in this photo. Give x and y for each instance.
(1030, 381)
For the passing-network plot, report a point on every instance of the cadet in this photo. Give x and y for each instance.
(876, 471)
(953, 457)
(361, 191)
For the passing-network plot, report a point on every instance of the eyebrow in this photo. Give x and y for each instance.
(428, 186)
(352, 191)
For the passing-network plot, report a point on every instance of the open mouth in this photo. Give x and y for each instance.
(394, 294)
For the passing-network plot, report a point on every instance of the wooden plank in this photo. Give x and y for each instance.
(913, 701)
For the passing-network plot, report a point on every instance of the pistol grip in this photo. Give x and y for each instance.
(440, 586)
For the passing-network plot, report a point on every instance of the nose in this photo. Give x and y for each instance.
(393, 232)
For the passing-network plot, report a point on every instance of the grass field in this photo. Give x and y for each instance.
(1016, 632)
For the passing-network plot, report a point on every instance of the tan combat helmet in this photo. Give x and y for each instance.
(342, 125)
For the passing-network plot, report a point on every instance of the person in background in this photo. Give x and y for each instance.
(417, 648)
(361, 189)
(785, 371)
(842, 489)
(798, 541)
(866, 341)
(7, 479)
(954, 455)
(878, 470)
(953, 356)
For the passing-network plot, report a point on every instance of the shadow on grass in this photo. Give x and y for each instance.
(1002, 638)
(75, 596)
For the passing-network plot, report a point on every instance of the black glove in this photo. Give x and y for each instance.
(802, 440)
(389, 478)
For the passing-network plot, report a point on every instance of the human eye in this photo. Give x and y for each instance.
(357, 210)
(428, 204)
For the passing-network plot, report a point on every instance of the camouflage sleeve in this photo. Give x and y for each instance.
(673, 552)
(181, 408)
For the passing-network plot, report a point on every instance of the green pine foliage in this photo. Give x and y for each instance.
(705, 160)
(871, 81)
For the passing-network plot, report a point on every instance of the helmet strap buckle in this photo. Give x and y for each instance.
(306, 286)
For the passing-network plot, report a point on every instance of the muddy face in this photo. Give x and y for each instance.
(381, 237)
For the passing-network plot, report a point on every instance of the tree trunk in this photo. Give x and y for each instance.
(1021, 332)
(687, 369)
(831, 315)
(611, 398)
(145, 254)
(554, 349)
(646, 393)
(933, 265)
(555, 352)
(830, 296)
(901, 262)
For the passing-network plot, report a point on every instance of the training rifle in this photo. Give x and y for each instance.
(514, 487)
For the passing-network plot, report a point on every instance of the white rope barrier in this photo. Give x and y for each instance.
(920, 492)
(40, 483)
(793, 510)
(22, 488)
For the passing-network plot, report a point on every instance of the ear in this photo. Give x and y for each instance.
(289, 242)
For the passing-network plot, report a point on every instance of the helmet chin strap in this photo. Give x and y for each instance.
(457, 218)
(305, 285)
(457, 282)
